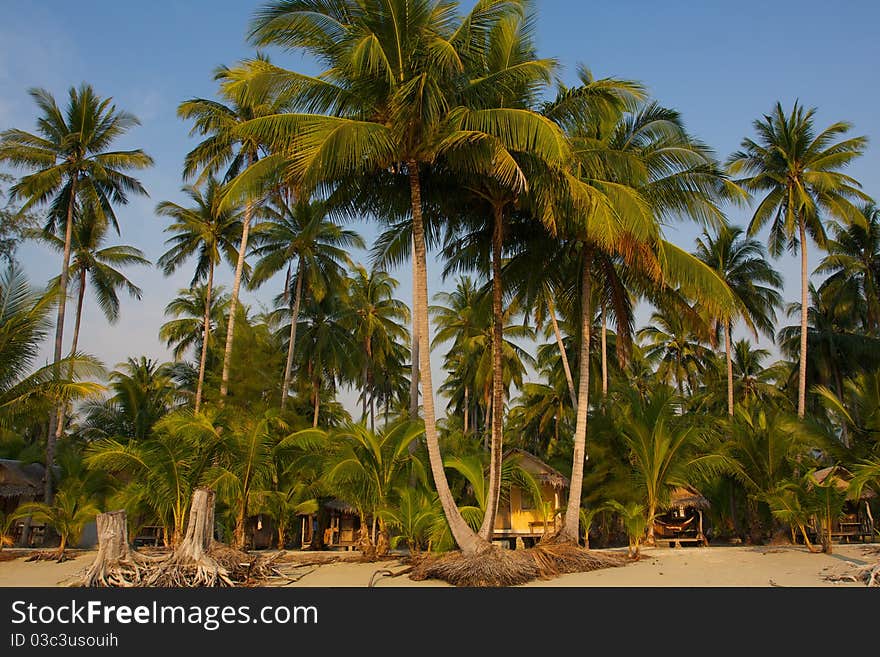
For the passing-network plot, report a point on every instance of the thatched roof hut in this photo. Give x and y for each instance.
(21, 480)
(688, 496)
(841, 478)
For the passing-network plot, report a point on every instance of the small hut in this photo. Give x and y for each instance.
(519, 516)
(20, 483)
(682, 521)
(855, 523)
(343, 525)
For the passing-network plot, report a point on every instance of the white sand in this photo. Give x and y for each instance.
(689, 567)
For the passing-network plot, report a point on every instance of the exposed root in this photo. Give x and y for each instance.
(124, 572)
(498, 567)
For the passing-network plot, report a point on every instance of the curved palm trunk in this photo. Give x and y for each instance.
(802, 375)
(414, 374)
(206, 333)
(464, 536)
(564, 356)
(236, 285)
(56, 424)
(572, 512)
(727, 329)
(497, 438)
(294, 319)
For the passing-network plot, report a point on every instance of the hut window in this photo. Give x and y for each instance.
(525, 501)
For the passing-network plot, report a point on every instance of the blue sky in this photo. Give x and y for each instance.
(722, 64)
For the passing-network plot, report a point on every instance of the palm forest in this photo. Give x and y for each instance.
(543, 207)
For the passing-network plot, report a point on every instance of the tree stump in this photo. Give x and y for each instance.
(192, 564)
(116, 564)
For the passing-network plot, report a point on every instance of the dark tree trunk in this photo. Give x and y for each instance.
(56, 424)
(497, 439)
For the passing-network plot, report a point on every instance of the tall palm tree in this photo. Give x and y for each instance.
(325, 348)
(298, 235)
(378, 323)
(186, 331)
(678, 347)
(854, 254)
(69, 160)
(97, 266)
(799, 173)
(404, 85)
(208, 232)
(641, 167)
(223, 149)
(740, 261)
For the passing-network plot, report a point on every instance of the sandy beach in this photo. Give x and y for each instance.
(751, 566)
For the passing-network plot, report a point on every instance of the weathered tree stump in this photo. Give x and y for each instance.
(116, 564)
(191, 564)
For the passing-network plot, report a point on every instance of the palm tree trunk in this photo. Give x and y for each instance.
(294, 319)
(414, 374)
(652, 511)
(572, 513)
(317, 389)
(802, 376)
(466, 539)
(206, 334)
(62, 412)
(727, 329)
(604, 353)
(466, 409)
(236, 285)
(56, 424)
(564, 356)
(497, 439)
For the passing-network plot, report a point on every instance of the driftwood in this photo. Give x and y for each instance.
(116, 564)
(869, 574)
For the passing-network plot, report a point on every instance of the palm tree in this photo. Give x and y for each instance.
(741, 263)
(142, 394)
(70, 159)
(209, 232)
(163, 471)
(377, 319)
(678, 346)
(799, 173)
(838, 346)
(753, 382)
(299, 234)
(97, 266)
(365, 468)
(224, 148)
(638, 166)
(186, 332)
(244, 464)
(325, 348)
(24, 323)
(667, 450)
(68, 514)
(416, 91)
(854, 255)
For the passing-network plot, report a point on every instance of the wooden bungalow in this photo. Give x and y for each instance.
(521, 517)
(20, 483)
(343, 525)
(682, 521)
(856, 522)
